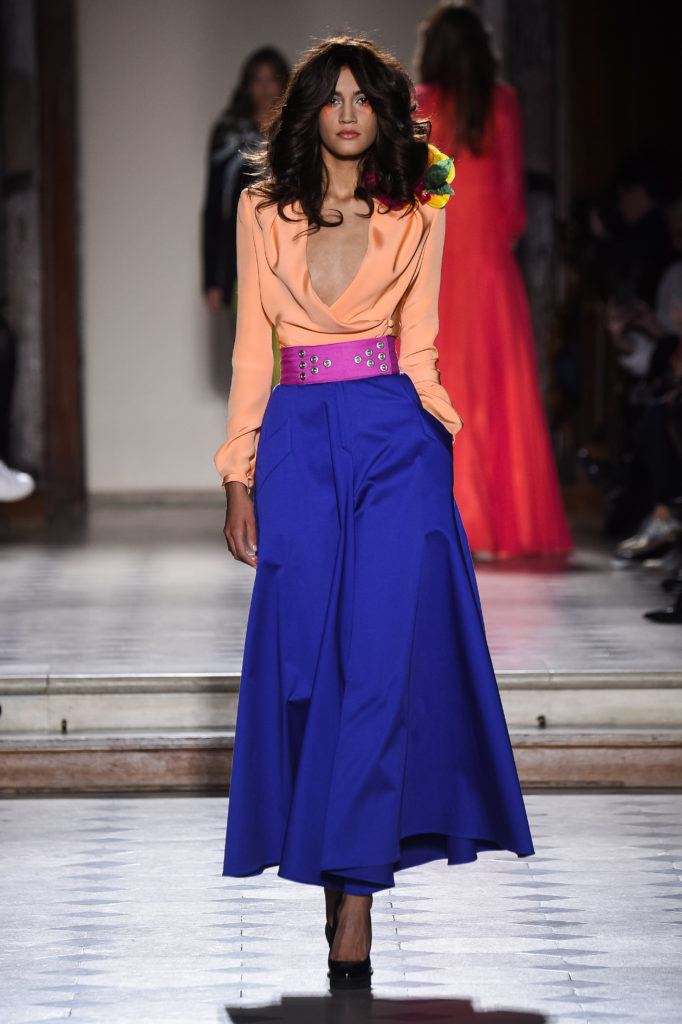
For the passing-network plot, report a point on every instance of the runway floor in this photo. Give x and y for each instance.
(153, 589)
(113, 911)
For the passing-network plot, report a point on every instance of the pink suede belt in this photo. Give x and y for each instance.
(342, 360)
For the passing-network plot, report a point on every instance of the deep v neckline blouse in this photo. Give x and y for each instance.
(364, 259)
(394, 291)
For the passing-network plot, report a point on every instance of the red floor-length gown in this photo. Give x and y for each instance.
(506, 482)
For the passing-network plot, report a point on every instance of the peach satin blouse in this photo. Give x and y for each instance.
(395, 291)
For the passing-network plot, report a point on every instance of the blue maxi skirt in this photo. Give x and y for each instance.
(370, 735)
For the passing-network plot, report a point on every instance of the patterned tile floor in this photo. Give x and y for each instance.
(112, 911)
(152, 589)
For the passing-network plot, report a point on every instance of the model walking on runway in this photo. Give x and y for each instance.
(370, 735)
(506, 481)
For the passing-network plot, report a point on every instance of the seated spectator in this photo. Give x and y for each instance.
(657, 437)
(631, 233)
(639, 330)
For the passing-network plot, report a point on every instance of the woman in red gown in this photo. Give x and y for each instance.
(506, 481)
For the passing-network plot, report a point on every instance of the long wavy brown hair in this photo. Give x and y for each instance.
(456, 53)
(292, 159)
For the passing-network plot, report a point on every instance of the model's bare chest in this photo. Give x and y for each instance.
(335, 255)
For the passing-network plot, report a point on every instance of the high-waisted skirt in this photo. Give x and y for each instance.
(370, 735)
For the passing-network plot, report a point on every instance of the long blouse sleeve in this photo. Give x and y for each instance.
(510, 153)
(252, 360)
(419, 328)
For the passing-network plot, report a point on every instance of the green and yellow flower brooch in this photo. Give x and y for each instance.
(434, 188)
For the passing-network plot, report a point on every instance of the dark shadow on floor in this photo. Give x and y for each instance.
(362, 1008)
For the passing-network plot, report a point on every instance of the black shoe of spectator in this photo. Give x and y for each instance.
(673, 614)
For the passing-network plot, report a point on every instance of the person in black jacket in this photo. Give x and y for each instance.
(239, 130)
(14, 484)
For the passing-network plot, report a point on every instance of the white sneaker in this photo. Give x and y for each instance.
(653, 534)
(14, 485)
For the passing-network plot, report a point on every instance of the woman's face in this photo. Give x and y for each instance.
(265, 88)
(348, 125)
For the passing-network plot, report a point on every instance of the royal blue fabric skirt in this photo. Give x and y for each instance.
(370, 734)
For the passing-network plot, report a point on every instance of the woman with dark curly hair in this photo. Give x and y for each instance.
(370, 734)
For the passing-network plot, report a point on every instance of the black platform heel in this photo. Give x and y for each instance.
(349, 974)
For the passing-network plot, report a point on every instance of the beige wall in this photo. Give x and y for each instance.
(153, 76)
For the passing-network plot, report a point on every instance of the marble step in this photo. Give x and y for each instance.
(133, 760)
(85, 702)
(179, 760)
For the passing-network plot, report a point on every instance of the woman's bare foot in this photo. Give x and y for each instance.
(354, 933)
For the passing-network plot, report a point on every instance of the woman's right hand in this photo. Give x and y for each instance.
(240, 523)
